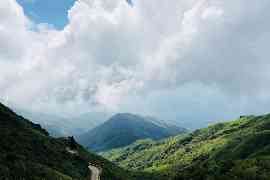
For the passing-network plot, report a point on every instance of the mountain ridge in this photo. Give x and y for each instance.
(123, 129)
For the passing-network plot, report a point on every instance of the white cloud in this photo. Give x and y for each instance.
(212, 12)
(114, 57)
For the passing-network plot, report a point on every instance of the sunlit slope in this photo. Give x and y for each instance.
(235, 150)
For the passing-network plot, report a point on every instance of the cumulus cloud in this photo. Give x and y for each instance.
(162, 58)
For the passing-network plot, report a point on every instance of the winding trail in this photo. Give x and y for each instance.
(95, 175)
(95, 171)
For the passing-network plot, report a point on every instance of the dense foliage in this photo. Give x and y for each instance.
(124, 129)
(234, 150)
(28, 152)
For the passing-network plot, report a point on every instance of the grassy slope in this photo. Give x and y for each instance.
(235, 150)
(27, 152)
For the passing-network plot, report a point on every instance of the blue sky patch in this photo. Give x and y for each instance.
(53, 12)
(130, 2)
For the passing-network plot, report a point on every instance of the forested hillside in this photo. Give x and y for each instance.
(28, 152)
(234, 150)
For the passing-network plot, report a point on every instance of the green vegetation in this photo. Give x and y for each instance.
(28, 152)
(235, 150)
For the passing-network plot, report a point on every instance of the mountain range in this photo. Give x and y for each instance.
(124, 129)
(236, 150)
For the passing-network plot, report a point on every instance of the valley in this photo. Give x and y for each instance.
(237, 150)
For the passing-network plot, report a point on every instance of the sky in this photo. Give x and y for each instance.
(51, 12)
(188, 61)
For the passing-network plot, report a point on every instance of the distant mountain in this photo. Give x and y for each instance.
(90, 120)
(59, 126)
(237, 150)
(55, 125)
(172, 128)
(28, 152)
(124, 129)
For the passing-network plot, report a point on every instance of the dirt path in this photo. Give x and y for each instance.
(95, 175)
